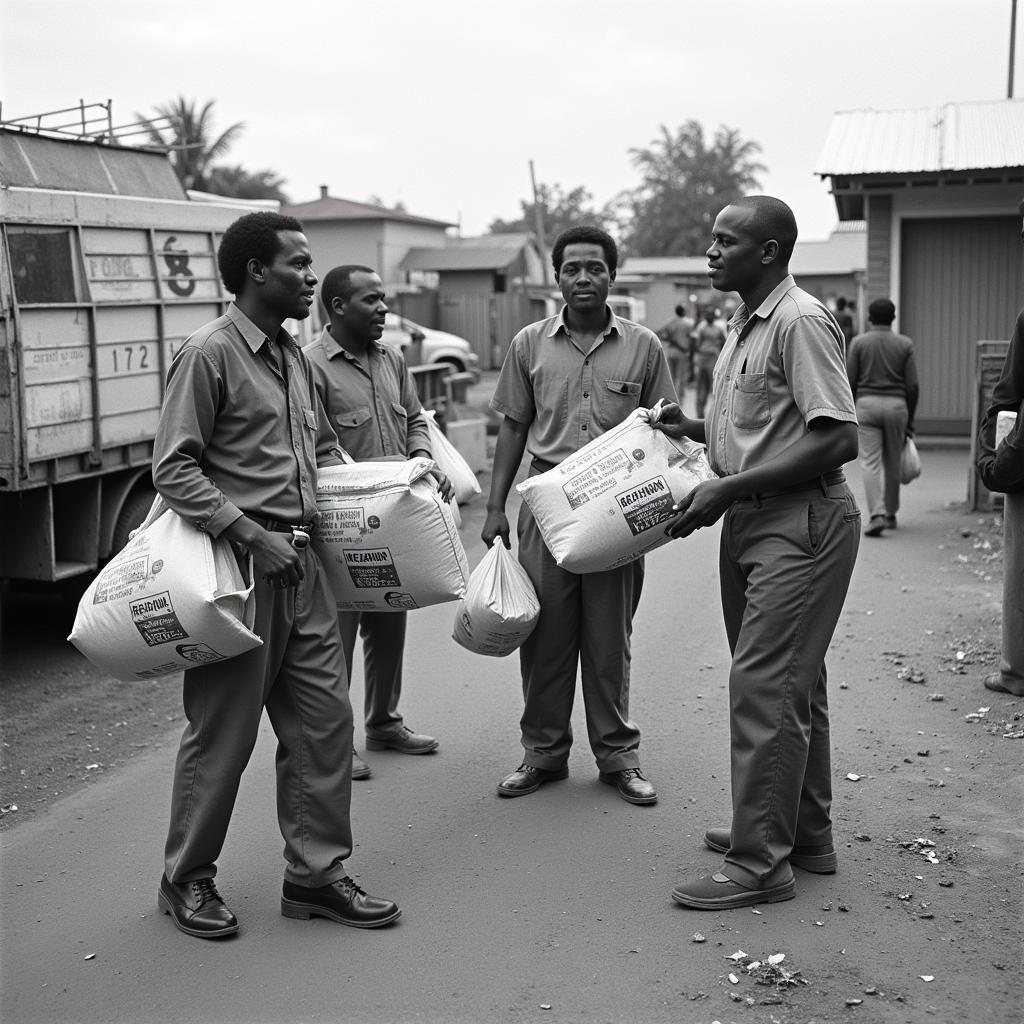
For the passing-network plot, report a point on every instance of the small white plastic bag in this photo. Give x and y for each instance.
(500, 608)
(450, 462)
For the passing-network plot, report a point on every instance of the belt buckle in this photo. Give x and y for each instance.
(300, 538)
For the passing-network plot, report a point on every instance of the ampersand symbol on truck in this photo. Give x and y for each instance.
(177, 266)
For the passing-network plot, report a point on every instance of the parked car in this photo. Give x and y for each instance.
(438, 346)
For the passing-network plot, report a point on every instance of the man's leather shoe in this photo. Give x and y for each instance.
(196, 908)
(632, 785)
(405, 741)
(719, 892)
(360, 769)
(890, 521)
(875, 527)
(527, 779)
(821, 860)
(342, 901)
(995, 681)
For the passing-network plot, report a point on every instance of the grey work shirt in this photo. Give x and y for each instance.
(375, 412)
(237, 433)
(782, 366)
(569, 396)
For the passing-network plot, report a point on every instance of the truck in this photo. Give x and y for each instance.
(107, 264)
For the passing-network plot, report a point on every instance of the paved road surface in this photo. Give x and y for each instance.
(555, 907)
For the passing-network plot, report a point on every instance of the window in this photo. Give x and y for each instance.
(42, 266)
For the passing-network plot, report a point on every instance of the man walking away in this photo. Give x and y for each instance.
(883, 378)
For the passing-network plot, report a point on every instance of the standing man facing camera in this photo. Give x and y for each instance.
(565, 381)
(371, 402)
(240, 437)
(780, 426)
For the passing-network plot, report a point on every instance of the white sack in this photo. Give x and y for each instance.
(387, 539)
(606, 504)
(172, 598)
(450, 462)
(500, 608)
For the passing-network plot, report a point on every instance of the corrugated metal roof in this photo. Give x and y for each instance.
(844, 252)
(331, 208)
(485, 252)
(951, 137)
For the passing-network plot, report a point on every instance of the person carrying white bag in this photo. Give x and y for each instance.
(500, 609)
(240, 436)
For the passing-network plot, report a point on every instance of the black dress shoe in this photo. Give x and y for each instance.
(342, 901)
(821, 860)
(631, 784)
(196, 908)
(527, 779)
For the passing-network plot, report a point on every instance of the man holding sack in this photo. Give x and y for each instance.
(371, 402)
(565, 381)
(240, 436)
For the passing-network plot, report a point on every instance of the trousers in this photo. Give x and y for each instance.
(383, 636)
(586, 620)
(1011, 662)
(881, 427)
(785, 565)
(298, 675)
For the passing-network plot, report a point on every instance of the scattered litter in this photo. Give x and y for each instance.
(853, 776)
(91, 767)
(927, 977)
(911, 674)
(854, 1002)
(697, 937)
(8, 809)
(936, 697)
(768, 970)
(733, 980)
(737, 956)
(862, 837)
(89, 956)
(545, 1006)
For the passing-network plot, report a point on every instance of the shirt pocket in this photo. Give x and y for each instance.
(616, 400)
(400, 411)
(352, 419)
(750, 407)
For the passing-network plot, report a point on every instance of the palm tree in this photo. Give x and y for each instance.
(193, 150)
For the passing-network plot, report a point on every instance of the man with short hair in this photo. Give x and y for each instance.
(240, 436)
(780, 425)
(565, 381)
(371, 402)
(883, 378)
(677, 336)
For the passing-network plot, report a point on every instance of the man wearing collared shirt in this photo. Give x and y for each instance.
(240, 436)
(371, 401)
(780, 426)
(565, 381)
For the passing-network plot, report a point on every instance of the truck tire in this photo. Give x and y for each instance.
(133, 511)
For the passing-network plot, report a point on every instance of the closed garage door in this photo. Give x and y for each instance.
(962, 280)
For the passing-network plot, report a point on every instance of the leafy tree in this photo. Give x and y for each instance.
(190, 139)
(686, 180)
(243, 184)
(561, 210)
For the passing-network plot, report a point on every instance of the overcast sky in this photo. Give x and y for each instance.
(441, 104)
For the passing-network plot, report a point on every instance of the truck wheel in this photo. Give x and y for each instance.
(133, 511)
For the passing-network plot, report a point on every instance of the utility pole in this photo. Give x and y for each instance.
(1013, 47)
(538, 219)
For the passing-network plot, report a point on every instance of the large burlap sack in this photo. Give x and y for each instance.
(387, 539)
(500, 608)
(451, 463)
(605, 505)
(172, 598)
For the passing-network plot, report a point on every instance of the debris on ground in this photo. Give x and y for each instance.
(766, 970)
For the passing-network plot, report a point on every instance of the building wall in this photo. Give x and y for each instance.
(879, 220)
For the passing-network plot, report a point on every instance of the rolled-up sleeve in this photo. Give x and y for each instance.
(187, 421)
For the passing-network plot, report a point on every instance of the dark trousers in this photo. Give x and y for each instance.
(585, 619)
(299, 676)
(785, 566)
(383, 635)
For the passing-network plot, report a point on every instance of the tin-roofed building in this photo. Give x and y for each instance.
(939, 189)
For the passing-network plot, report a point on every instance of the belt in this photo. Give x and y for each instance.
(819, 485)
(300, 532)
